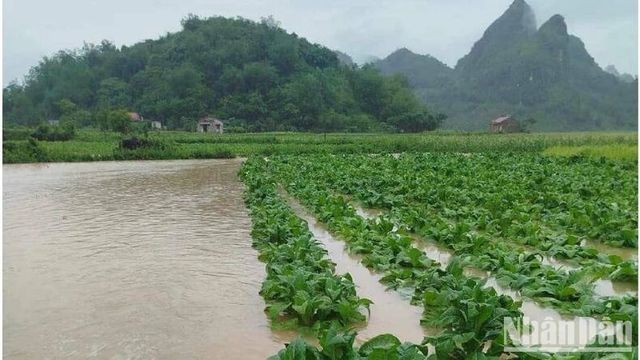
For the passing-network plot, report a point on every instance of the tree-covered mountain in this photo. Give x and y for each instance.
(611, 69)
(254, 75)
(343, 58)
(516, 68)
(433, 73)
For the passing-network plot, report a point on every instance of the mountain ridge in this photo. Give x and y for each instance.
(542, 72)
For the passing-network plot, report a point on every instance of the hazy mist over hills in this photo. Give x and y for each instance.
(517, 68)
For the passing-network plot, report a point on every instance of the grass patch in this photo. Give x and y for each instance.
(613, 151)
(94, 145)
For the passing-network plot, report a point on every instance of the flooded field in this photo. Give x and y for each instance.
(131, 260)
(153, 259)
(390, 312)
(441, 254)
(530, 309)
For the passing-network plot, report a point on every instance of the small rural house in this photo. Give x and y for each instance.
(209, 124)
(54, 122)
(134, 116)
(504, 124)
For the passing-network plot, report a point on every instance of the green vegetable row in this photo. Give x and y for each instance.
(570, 292)
(468, 314)
(470, 327)
(335, 345)
(453, 189)
(301, 288)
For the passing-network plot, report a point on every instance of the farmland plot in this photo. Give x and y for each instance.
(524, 225)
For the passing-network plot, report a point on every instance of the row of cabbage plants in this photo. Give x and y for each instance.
(436, 197)
(570, 292)
(301, 288)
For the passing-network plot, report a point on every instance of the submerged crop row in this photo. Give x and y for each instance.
(301, 288)
(468, 314)
(435, 191)
(571, 292)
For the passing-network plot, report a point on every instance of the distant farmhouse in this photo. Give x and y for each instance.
(209, 124)
(54, 122)
(505, 124)
(136, 117)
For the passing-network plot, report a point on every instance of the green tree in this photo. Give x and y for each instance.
(254, 72)
(113, 93)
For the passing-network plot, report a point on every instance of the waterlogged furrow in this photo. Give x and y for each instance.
(389, 311)
(569, 292)
(479, 310)
(438, 292)
(441, 254)
(301, 288)
(534, 313)
(274, 228)
(464, 240)
(438, 252)
(476, 190)
(379, 182)
(530, 309)
(434, 307)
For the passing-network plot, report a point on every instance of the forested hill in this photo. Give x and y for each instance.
(517, 68)
(254, 75)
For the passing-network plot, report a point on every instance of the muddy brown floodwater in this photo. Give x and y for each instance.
(131, 260)
(390, 312)
(533, 311)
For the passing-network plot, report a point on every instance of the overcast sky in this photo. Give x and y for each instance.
(445, 29)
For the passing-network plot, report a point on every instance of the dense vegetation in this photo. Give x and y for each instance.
(485, 216)
(387, 251)
(88, 145)
(335, 345)
(301, 288)
(516, 68)
(501, 213)
(255, 76)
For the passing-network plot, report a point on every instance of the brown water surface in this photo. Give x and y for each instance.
(624, 252)
(390, 312)
(131, 260)
(602, 287)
